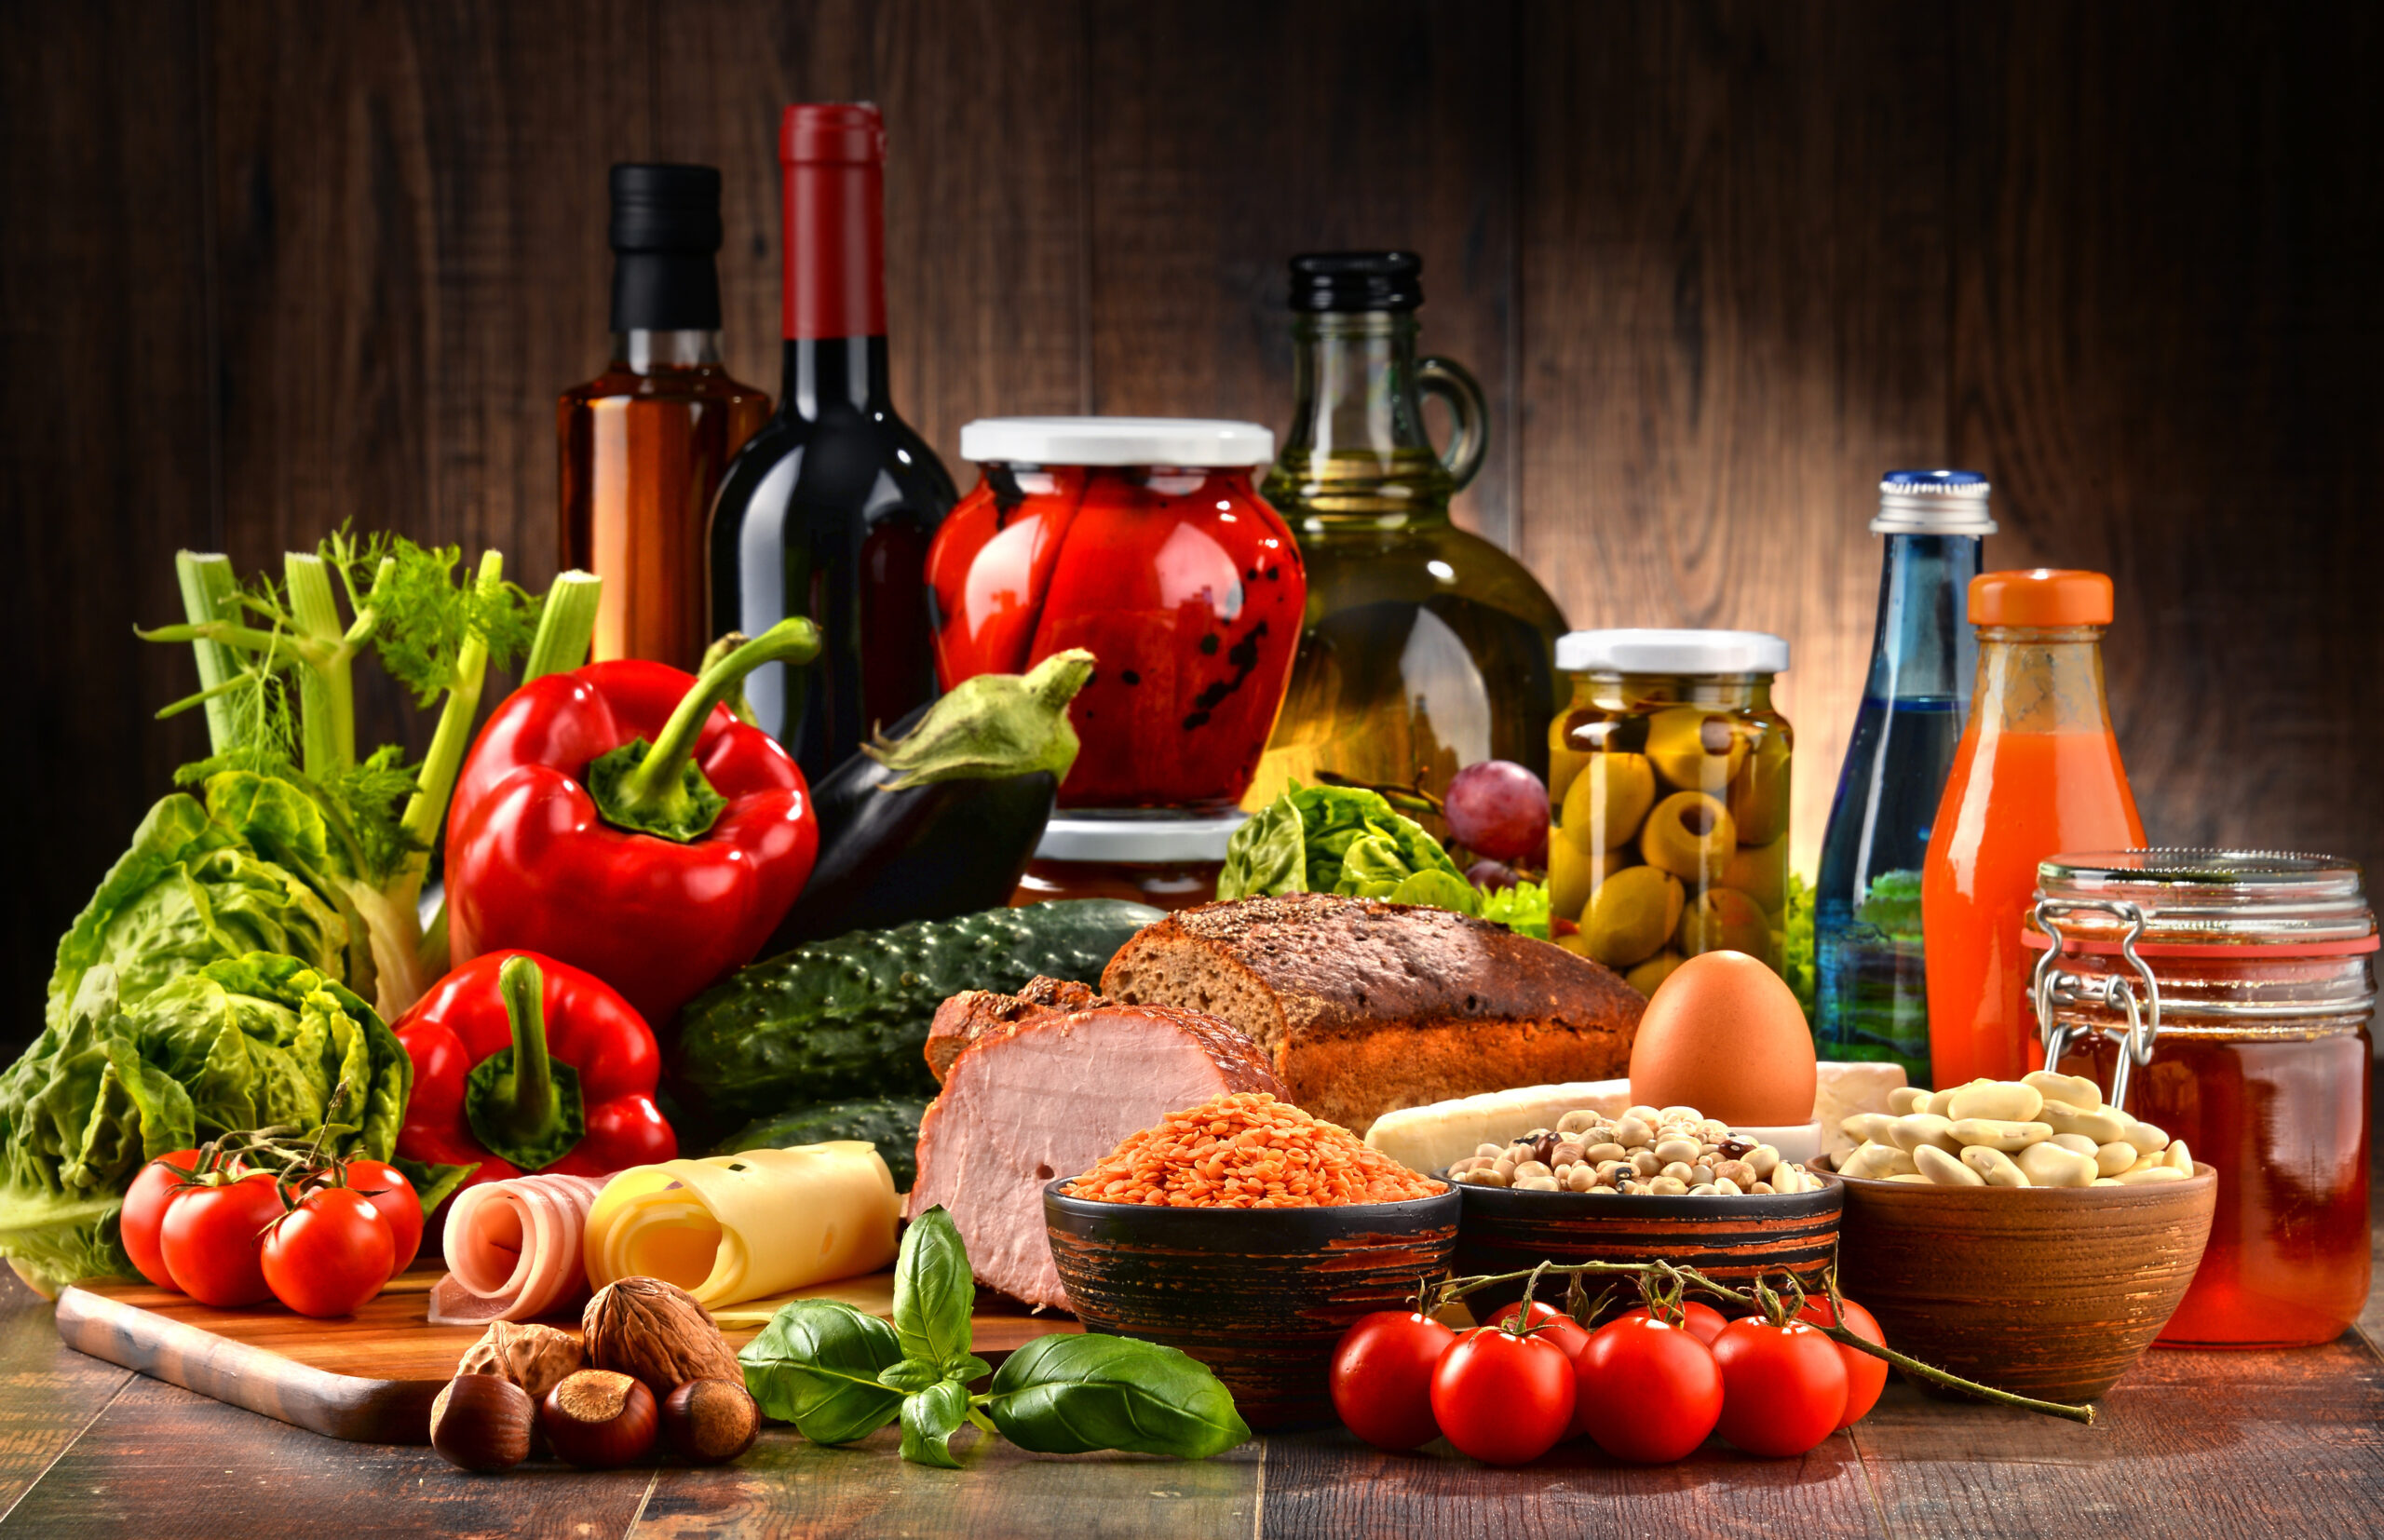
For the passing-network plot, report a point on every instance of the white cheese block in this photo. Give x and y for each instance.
(1846, 1088)
(1428, 1139)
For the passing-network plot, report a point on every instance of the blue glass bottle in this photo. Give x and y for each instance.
(1872, 991)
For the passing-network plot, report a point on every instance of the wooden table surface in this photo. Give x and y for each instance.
(2234, 1444)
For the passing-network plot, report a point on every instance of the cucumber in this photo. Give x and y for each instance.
(847, 1019)
(891, 1123)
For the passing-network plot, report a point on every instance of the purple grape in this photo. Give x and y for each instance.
(1499, 809)
(1490, 876)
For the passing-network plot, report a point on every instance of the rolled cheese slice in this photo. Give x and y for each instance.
(728, 1228)
(514, 1248)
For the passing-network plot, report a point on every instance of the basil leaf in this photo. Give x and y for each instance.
(815, 1365)
(1068, 1395)
(935, 1292)
(968, 1370)
(909, 1376)
(930, 1419)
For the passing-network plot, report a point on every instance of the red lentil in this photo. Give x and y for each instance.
(1249, 1151)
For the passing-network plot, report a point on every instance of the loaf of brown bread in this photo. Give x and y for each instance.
(1368, 1007)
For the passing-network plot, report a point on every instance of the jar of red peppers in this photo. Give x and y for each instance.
(2249, 977)
(1143, 540)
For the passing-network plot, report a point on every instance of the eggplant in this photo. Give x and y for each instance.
(939, 818)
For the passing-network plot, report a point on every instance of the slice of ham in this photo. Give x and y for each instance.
(514, 1249)
(970, 1014)
(1034, 1091)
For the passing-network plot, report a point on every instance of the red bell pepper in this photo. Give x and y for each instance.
(659, 868)
(522, 1063)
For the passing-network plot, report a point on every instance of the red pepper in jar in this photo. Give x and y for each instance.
(522, 1063)
(1183, 584)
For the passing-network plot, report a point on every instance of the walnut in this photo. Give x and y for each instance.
(656, 1332)
(536, 1357)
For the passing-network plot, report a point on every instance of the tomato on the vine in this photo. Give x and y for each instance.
(1865, 1376)
(395, 1196)
(1568, 1334)
(212, 1236)
(1502, 1399)
(1650, 1391)
(1702, 1319)
(1382, 1377)
(1783, 1388)
(330, 1253)
(146, 1202)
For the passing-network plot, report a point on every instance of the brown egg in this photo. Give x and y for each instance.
(1723, 1033)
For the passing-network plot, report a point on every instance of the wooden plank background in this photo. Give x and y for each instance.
(272, 266)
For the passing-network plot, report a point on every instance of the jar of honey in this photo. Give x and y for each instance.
(2250, 981)
(1166, 861)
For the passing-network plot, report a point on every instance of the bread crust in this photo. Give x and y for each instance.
(1366, 1007)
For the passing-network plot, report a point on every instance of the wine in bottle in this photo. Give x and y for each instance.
(645, 444)
(829, 510)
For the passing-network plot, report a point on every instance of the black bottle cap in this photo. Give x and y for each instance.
(666, 228)
(1357, 280)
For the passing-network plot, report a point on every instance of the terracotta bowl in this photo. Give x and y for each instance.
(2049, 1292)
(1260, 1295)
(1728, 1239)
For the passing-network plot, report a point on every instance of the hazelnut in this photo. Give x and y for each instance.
(597, 1419)
(709, 1422)
(481, 1421)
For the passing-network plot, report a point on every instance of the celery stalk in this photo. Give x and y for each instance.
(210, 593)
(567, 626)
(326, 693)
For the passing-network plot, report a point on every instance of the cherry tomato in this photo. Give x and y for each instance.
(1865, 1376)
(144, 1209)
(1783, 1388)
(395, 1196)
(1502, 1399)
(1702, 1319)
(1382, 1377)
(1650, 1391)
(330, 1254)
(212, 1238)
(1568, 1334)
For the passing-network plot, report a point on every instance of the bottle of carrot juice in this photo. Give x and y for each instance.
(2037, 773)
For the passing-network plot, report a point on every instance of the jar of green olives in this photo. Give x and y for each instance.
(1668, 799)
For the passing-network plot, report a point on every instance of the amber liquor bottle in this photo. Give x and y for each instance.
(645, 444)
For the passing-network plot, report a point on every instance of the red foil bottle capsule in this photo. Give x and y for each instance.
(1144, 541)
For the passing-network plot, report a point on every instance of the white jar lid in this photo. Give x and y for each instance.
(1115, 441)
(1134, 838)
(1656, 651)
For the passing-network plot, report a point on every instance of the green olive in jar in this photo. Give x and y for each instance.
(1723, 919)
(1761, 873)
(1630, 915)
(1690, 835)
(1607, 800)
(1654, 971)
(1574, 874)
(1694, 748)
(1759, 792)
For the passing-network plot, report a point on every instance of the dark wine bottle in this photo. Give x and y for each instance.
(828, 512)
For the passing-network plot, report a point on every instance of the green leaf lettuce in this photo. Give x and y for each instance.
(1350, 841)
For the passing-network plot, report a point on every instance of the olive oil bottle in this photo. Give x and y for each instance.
(1424, 648)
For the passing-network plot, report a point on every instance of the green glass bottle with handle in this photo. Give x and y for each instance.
(1426, 648)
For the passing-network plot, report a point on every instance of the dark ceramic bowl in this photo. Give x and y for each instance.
(1260, 1295)
(1728, 1239)
(2051, 1291)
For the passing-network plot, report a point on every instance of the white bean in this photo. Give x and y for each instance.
(1914, 1177)
(1725, 1186)
(2149, 1173)
(2074, 1090)
(1914, 1129)
(1994, 1164)
(1681, 1150)
(2103, 1124)
(1576, 1122)
(1943, 1170)
(1874, 1161)
(1761, 1159)
(1679, 1170)
(1997, 1102)
(1665, 1186)
(2177, 1158)
(2112, 1158)
(1867, 1128)
(1997, 1134)
(1906, 1099)
(2048, 1165)
(2075, 1144)
(1633, 1131)
(2144, 1136)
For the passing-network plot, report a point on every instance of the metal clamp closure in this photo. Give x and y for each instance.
(2049, 987)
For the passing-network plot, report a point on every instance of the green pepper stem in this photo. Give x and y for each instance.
(658, 782)
(536, 1108)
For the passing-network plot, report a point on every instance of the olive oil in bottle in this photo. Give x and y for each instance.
(1426, 647)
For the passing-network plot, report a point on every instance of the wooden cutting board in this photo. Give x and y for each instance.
(371, 1377)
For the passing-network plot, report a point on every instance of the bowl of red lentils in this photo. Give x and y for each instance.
(1249, 1235)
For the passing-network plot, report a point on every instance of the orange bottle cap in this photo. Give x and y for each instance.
(2040, 597)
